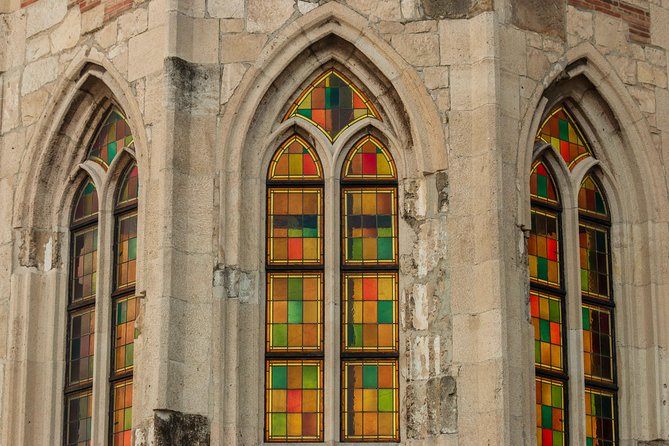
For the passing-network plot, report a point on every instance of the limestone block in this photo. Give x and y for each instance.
(226, 9)
(39, 73)
(37, 47)
(390, 27)
(513, 47)
(197, 40)
(10, 101)
(106, 37)
(420, 358)
(410, 9)
(241, 48)
(579, 24)
(418, 49)
(542, 16)
(119, 57)
(378, 10)
(12, 51)
(421, 26)
(662, 96)
(650, 74)
(435, 77)
(157, 13)
(32, 106)
(305, 7)
(92, 19)
(67, 34)
(625, 68)
(537, 64)
(421, 305)
(132, 23)
(12, 145)
(232, 25)
(656, 56)
(610, 33)
(472, 85)
(659, 24)
(465, 41)
(645, 97)
(44, 14)
(232, 75)
(146, 53)
(192, 8)
(266, 16)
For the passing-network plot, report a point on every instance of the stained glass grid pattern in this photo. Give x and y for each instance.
(114, 134)
(600, 418)
(122, 414)
(294, 312)
(332, 103)
(597, 343)
(550, 412)
(542, 187)
(370, 400)
(87, 203)
(295, 225)
(84, 265)
(126, 251)
(79, 419)
(125, 313)
(369, 312)
(594, 260)
(591, 200)
(563, 135)
(82, 346)
(546, 312)
(129, 190)
(369, 160)
(295, 160)
(294, 400)
(543, 248)
(369, 225)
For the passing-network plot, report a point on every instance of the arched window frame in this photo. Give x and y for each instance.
(568, 179)
(333, 153)
(107, 180)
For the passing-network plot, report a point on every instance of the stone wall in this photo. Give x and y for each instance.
(203, 82)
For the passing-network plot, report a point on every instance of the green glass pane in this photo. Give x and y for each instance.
(384, 232)
(385, 248)
(369, 377)
(385, 312)
(564, 130)
(279, 377)
(556, 396)
(280, 335)
(542, 268)
(586, 319)
(278, 421)
(386, 400)
(537, 351)
(129, 354)
(127, 419)
(546, 417)
(542, 186)
(310, 377)
(554, 309)
(132, 248)
(295, 312)
(294, 288)
(355, 249)
(558, 438)
(545, 329)
(355, 335)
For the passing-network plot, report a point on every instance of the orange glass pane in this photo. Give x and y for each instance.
(295, 223)
(370, 400)
(122, 414)
(294, 400)
(591, 200)
(369, 312)
(332, 103)
(295, 160)
(294, 312)
(560, 131)
(543, 248)
(369, 159)
(542, 187)
(113, 135)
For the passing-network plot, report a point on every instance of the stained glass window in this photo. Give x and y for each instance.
(370, 320)
(332, 103)
(125, 306)
(112, 136)
(560, 131)
(81, 316)
(370, 396)
(598, 318)
(294, 400)
(294, 336)
(550, 412)
(547, 308)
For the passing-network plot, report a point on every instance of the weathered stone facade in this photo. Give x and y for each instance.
(464, 85)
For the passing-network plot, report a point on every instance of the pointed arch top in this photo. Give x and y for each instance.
(86, 206)
(295, 160)
(111, 137)
(591, 200)
(542, 186)
(128, 191)
(332, 103)
(560, 130)
(369, 160)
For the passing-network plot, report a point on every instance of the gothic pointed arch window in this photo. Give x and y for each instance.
(555, 366)
(365, 370)
(93, 285)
